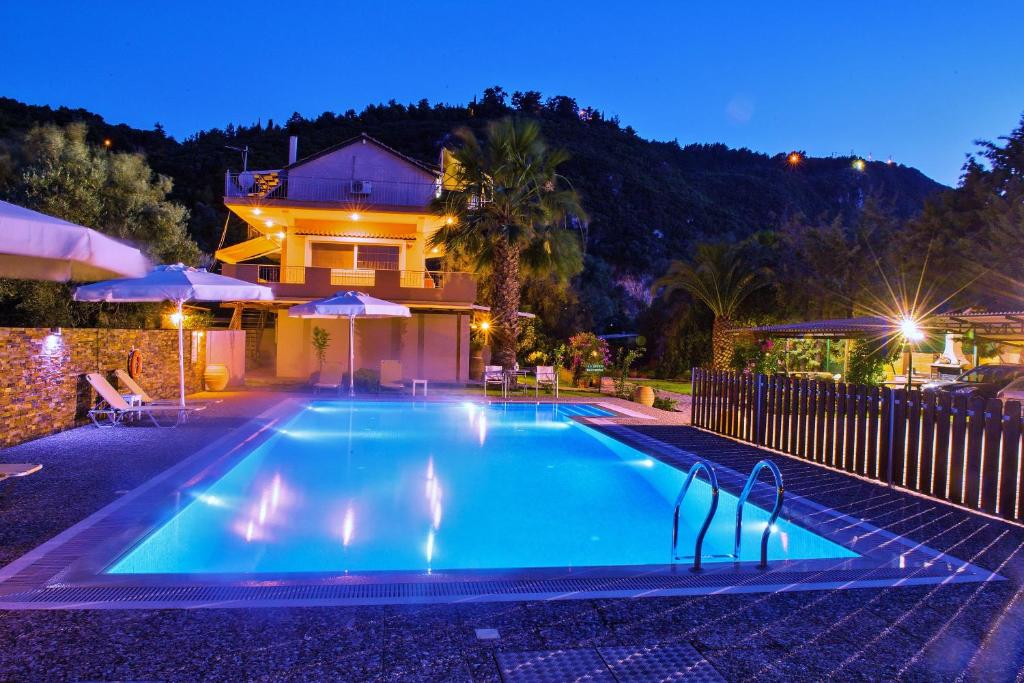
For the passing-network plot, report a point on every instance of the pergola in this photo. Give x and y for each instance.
(1005, 327)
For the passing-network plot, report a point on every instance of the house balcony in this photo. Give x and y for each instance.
(293, 283)
(277, 187)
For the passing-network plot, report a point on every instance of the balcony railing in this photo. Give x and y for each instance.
(413, 285)
(355, 192)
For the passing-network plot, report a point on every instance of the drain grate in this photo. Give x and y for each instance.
(443, 590)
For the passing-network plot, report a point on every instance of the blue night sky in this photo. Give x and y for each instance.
(915, 80)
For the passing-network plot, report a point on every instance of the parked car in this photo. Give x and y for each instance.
(984, 380)
(1014, 391)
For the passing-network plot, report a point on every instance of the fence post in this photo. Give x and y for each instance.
(892, 424)
(760, 412)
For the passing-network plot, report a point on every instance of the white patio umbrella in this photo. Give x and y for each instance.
(178, 284)
(350, 305)
(35, 246)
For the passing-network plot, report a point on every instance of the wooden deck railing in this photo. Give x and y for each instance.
(966, 450)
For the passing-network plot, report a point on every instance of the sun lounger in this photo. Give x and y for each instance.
(391, 375)
(331, 376)
(113, 408)
(14, 469)
(135, 389)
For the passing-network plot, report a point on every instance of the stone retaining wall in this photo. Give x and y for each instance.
(42, 373)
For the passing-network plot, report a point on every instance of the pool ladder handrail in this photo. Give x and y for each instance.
(779, 494)
(713, 481)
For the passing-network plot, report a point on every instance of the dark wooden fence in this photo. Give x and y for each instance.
(957, 448)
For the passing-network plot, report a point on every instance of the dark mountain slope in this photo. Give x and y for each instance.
(648, 201)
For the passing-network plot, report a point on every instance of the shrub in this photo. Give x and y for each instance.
(368, 380)
(586, 348)
(664, 403)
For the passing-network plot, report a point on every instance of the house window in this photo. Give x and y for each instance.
(333, 255)
(377, 257)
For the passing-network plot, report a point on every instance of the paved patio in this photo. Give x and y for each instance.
(965, 632)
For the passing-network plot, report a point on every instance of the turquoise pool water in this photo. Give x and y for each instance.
(363, 486)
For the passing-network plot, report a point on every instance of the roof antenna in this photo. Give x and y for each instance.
(245, 155)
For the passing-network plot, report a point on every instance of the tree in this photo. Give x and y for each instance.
(975, 229)
(56, 171)
(510, 208)
(720, 279)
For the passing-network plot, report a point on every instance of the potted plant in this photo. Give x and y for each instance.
(321, 340)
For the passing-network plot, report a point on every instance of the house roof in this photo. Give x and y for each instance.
(429, 168)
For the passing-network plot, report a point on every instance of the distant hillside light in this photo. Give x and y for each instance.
(794, 158)
(859, 164)
(107, 142)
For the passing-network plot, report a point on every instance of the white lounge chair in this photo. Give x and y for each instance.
(546, 377)
(135, 389)
(494, 375)
(113, 408)
(331, 376)
(15, 469)
(391, 375)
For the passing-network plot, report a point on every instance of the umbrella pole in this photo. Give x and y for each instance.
(181, 357)
(351, 356)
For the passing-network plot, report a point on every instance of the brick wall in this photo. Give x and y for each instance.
(42, 374)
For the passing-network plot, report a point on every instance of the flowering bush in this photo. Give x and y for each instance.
(586, 348)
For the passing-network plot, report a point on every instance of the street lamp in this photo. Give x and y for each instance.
(911, 332)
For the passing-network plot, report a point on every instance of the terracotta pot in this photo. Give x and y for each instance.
(476, 366)
(644, 396)
(216, 377)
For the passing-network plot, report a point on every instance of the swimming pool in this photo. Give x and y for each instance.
(352, 487)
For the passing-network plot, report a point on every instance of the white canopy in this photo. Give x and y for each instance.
(350, 305)
(178, 283)
(35, 246)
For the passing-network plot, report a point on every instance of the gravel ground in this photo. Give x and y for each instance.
(972, 631)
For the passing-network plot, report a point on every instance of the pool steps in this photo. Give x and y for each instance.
(709, 470)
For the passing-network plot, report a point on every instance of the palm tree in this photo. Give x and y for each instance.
(717, 277)
(508, 212)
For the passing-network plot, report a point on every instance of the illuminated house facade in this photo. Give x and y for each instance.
(354, 216)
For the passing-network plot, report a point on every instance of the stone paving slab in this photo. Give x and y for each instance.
(971, 632)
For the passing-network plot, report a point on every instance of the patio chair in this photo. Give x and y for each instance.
(135, 389)
(494, 374)
(331, 376)
(391, 375)
(113, 409)
(546, 377)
